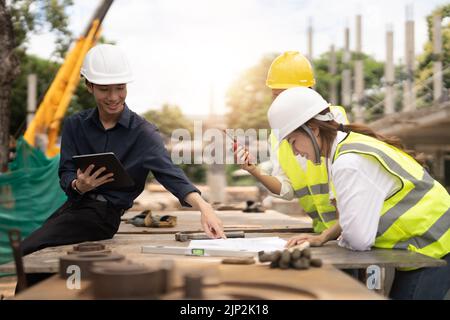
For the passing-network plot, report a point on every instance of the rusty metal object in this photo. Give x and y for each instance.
(285, 257)
(296, 254)
(317, 263)
(264, 256)
(306, 253)
(84, 261)
(193, 286)
(297, 258)
(89, 247)
(269, 256)
(285, 260)
(244, 260)
(126, 280)
(301, 264)
(186, 236)
(14, 241)
(275, 264)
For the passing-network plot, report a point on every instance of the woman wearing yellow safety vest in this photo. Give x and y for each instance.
(385, 198)
(288, 176)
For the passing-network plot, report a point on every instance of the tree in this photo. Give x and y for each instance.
(18, 20)
(168, 119)
(248, 97)
(31, 17)
(373, 72)
(45, 71)
(425, 68)
(9, 68)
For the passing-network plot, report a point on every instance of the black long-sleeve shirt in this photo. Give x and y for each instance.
(135, 142)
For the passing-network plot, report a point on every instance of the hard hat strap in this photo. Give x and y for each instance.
(314, 142)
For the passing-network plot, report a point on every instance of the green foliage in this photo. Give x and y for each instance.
(81, 100)
(195, 172)
(33, 17)
(38, 16)
(168, 119)
(373, 72)
(424, 71)
(238, 181)
(45, 71)
(248, 98)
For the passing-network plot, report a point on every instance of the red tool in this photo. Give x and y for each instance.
(236, 145)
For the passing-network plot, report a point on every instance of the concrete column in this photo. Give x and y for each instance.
(359, 73)
(215, 176)
(310, 41)
(437, 52)
(217, 183)
(389, 102)
(332, 70)
(31, 97)
(409, 99)
(346, 73)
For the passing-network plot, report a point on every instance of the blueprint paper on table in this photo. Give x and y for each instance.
(241, 244)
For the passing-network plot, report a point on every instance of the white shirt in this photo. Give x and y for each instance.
(274, 169)
(362, 185)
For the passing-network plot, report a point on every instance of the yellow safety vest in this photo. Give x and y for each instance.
(416, 217)
(310, 185)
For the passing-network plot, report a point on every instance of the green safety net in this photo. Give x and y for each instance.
(29, 194)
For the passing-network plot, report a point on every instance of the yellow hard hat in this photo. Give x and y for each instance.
(290, 69)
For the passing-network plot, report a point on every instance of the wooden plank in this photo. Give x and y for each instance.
(46, 260)
(346, 259)
(315, 281)
(233, 221)
(236, 282)
(7, 286)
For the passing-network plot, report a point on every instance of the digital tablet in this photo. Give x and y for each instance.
(108, 160)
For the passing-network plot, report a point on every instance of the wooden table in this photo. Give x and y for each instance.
(233, 282)
(46, 260)
(130, 244)
(232, 220)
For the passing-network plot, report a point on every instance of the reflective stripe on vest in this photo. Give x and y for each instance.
(314, 204)
(315, 189)
(311, 186)
(416, 217)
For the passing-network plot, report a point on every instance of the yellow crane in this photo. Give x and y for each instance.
(54, 105)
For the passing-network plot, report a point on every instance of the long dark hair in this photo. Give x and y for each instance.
(328, 131)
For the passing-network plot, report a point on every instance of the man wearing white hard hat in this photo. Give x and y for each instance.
(385, 198)
(93, 211)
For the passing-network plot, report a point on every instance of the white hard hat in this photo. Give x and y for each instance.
(106, 64)
(293, 108)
